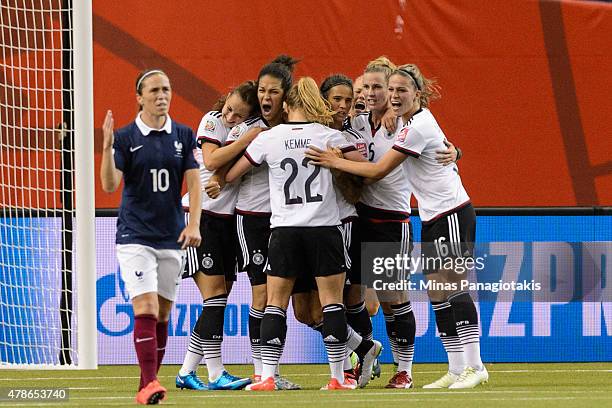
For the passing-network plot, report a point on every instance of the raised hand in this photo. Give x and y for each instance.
(107, 130)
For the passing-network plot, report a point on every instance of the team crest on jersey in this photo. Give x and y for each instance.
(258, 259)
(178, 146)
(210, 126)
(207, 262)
(363, 149)
(402, 134)
(235, 131)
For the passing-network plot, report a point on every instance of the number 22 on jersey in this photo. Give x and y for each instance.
(289, 164)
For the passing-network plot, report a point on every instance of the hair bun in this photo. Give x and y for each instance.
(285, 60)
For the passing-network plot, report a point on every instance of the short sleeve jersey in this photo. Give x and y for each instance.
(392, 192)
(437, 188)
(212, 130)
(153, 163)
(301, 194)
(254, 191)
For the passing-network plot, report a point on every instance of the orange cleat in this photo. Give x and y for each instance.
(151, 394)
(333, 384)
(349, 376)
(265, 385)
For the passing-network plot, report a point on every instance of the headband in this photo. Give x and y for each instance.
(146, 74)
(411, 75)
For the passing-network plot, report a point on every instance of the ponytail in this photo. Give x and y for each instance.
(305, 96)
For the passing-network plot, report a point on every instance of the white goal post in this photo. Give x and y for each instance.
(48, 316)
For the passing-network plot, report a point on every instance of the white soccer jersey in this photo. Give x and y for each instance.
(254, 190)
(301, 194)
(437, 188)
(347, 210)
(212, 130)
(392, 192)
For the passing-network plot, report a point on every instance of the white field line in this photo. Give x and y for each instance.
(408, 396)
(311, 375)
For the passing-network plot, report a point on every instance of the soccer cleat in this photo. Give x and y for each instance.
(445, 381)
(190, 382)
(284, 384)
(349, 375)
(265, 385)
(400, 380)
(470, 378)
(376, 370)
(151, 394)
(368, 363)
(255, 379)
(334, 385)
(228, 382)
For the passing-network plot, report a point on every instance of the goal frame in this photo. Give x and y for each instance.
(87, 345)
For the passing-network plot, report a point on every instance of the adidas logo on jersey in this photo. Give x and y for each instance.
(331, 339)
(275, 341)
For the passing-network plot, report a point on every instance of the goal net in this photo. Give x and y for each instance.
(47, 275)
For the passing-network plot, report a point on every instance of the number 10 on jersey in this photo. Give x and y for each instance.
(161, 179)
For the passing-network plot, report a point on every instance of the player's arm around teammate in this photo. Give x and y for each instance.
(152, 155)
(253, 209)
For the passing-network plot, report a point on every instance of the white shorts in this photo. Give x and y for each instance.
(145, 269)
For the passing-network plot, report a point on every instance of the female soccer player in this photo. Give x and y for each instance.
(359, 105)
(338, 91)
(253, 203)
(306, 239)
(152, 155)
(445, 210)
(384, 213)
(214, 261)
(253, 206)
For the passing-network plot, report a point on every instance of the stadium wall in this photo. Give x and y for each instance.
(525, 83)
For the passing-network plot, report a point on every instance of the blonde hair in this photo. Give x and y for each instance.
(381, 64)
(429, 90)
(305, 96)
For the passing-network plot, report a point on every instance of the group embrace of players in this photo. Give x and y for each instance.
(296, 230)
(294, 178)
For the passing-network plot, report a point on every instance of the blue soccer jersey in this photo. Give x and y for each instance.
(153, 163)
